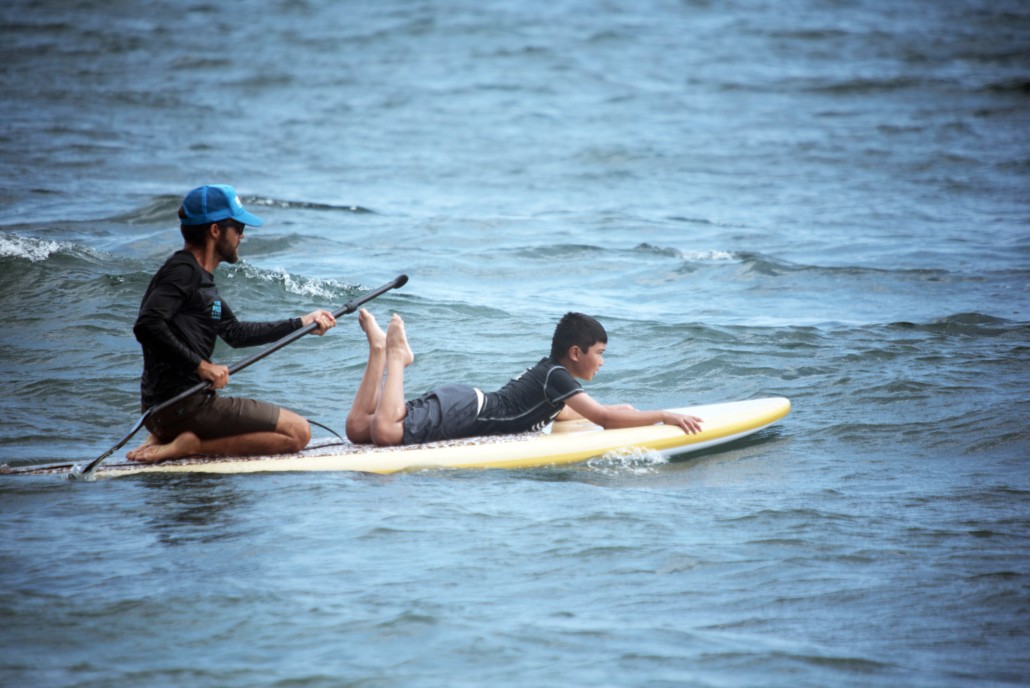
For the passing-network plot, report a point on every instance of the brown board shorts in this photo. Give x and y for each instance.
(210, 416)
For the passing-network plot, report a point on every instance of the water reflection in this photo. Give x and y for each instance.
(192, 508)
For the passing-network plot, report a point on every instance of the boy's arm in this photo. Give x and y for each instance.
(568, 414)
(626, 416)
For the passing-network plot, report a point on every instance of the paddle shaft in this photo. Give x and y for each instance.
(349, 307)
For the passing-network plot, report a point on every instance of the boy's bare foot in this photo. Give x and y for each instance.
(375, 334)
(397, 340)
(184, 445)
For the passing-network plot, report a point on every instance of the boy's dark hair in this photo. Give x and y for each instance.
(193, 234)
(576, 329)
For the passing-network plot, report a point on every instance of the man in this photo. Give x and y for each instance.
(179, 318)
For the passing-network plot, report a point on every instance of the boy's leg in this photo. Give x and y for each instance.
(366, 400)
(388, 423)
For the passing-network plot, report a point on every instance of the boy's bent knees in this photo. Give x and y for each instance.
(387, 433)
(358, 431)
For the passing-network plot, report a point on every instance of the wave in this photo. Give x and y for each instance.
(702, 221)
(34, 250)
(37, 250)
(702, 256)
(266, 202)
(278, 278)
(275, 243)
(88, 269)
(561, 251)
(568, 251)
(160, 210)
(763, 264)
(1018, 86)
(966, 324)
(639, 461)
(869, 86)
(163, 209)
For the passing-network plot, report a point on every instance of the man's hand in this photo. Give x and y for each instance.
(323, 319)
(217, 375)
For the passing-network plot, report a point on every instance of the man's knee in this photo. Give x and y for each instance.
(294, 427)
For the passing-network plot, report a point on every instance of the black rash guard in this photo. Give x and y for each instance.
(179, 318)
(528, 402)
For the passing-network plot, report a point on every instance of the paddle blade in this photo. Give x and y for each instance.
(80, 472)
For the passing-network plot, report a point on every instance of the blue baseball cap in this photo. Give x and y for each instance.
(214, 202)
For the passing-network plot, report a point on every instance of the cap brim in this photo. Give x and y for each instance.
(248, 219)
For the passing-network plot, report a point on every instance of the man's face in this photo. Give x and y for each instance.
(229, 240)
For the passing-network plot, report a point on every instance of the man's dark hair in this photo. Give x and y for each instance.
(193, 234)
(576, 329)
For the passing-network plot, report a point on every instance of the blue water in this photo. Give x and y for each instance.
(820, 200)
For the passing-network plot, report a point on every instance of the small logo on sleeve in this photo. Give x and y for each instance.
(216, 310)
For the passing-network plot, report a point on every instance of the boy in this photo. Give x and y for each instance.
(548, 391)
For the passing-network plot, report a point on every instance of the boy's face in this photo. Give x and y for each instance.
(587, 363)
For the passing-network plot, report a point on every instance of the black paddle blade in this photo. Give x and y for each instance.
(80, 472)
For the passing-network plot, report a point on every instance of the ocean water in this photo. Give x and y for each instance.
(817, 199)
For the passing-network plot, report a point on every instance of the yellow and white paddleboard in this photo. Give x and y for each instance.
(568, 442)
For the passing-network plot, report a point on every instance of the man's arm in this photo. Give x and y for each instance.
(237, 333)
(624, 416)
(218, 375)
(152, 328)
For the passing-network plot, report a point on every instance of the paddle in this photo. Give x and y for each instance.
(78, 472)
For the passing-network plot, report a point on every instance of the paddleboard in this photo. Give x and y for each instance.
(567, 442)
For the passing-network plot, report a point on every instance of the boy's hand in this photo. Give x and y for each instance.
(689, 424)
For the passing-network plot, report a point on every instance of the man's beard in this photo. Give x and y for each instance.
(226, 251)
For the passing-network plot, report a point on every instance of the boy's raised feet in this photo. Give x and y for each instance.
(375, 334)
(185, 444)
(397, 340)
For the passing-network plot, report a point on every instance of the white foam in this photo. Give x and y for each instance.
(710, 256)
(35, 250)
(630, 459)
(302, 286)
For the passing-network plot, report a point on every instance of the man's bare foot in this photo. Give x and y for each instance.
(150, 441)
(184, 445)
(375, 334)
(397, 340)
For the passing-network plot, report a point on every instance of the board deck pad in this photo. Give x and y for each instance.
(567, 442)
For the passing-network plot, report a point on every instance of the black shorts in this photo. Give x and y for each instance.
(446, 413)
(210, 416)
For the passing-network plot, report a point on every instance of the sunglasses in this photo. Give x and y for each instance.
(233, 224)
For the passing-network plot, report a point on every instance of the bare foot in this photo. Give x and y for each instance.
(397, 340)
(150, 441)
(184, 445)
(375, 334)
